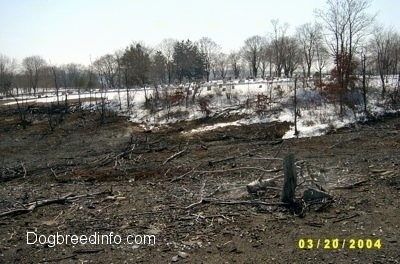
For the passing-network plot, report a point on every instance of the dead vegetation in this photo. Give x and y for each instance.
(213, 196)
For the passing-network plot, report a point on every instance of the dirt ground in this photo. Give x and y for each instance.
(189, 192)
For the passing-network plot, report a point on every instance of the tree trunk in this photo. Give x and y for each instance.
(383, 85)
(320, 77)
(295, 107)
(290, 180)
(364, 85)
(56, 84)
(127, 90)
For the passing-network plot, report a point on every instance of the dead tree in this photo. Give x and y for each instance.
(290, 180)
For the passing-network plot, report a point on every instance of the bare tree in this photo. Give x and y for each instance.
(346, 22)
(291, 55)
(119, 78)
(210, 50)
(54, 71)
(7, 72)
(359, 22)
(278, 44)
(266, 58)
(222, 65)
(252, 53)
(235, 63)
(74, 77)
(107, 67)
(33, 66)
(384, 47)
(167, 48)
(321, 58)
(308, 36)
(396, 57)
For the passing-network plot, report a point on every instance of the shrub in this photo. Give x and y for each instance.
(204, 104)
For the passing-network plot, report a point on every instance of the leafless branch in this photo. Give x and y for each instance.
(174, 156)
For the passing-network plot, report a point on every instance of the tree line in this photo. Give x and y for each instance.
(338, 42)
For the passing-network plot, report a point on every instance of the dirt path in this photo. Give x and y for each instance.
(155, 191)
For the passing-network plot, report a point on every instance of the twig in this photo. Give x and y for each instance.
(215, 191)
(182, 176)
(54, 173)
(174, 156)
(195, 204)
(346, 218)
(58, 259)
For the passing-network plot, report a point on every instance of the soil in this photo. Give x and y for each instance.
(189, 191)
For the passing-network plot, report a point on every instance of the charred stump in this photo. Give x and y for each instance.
(290, 180)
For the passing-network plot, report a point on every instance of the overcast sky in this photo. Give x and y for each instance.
(63, 31)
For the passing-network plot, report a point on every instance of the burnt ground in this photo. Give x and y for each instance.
(115, 177)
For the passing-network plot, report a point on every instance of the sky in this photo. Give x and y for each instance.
(80, 31)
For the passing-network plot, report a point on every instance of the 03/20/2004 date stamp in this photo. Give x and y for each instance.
(336, 243)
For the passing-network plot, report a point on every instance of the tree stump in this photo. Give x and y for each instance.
(290, 180)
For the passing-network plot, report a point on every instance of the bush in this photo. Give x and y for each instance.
(204, 104)
(394, 99)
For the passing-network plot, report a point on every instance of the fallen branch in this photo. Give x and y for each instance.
(247, 202)
(58, 259)
(194, 216)
(29, 207)
(88, 251)
(195, 204)
(182, 176)
(350, 186)
(233, 202)
(264, 158)
(174, 156)
(213, 162)
(221, 171)
(272, 143)
(241, 168)
(346, 218)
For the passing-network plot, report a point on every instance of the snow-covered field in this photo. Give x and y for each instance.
(259, 101)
